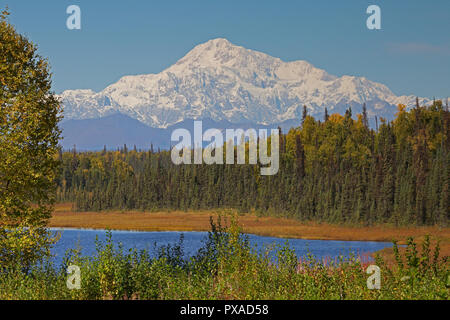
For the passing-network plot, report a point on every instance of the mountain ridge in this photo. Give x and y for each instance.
(221, 81)
(115, 131)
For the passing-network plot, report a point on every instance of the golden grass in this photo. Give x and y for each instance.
(65, 217)
(265, 226)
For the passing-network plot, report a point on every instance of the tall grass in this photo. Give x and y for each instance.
(228, 267)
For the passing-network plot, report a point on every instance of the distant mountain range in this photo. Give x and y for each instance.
(117, 130)
(224, 84)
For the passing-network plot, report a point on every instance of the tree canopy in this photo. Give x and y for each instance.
(338, 170)
(29, 137)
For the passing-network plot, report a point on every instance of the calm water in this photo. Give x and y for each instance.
(85, 239)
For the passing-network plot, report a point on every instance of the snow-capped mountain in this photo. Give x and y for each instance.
(221, 81)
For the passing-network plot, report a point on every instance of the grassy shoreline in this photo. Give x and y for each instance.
(229, 268)
(64, 217)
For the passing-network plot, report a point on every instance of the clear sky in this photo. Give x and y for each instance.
(410, 54)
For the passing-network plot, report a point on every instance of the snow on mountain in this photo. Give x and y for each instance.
(221, 81)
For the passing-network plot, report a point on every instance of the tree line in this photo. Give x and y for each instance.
(336, 170)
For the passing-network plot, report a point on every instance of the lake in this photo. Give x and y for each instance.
(85, 239)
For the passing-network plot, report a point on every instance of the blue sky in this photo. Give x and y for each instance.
(410, 54)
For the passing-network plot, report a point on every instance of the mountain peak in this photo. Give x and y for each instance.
(221, 52)
(219, 42)
(223, 81)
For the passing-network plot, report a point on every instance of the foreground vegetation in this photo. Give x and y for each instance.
(227, 267)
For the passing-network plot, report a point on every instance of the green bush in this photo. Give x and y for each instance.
(228, 267)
